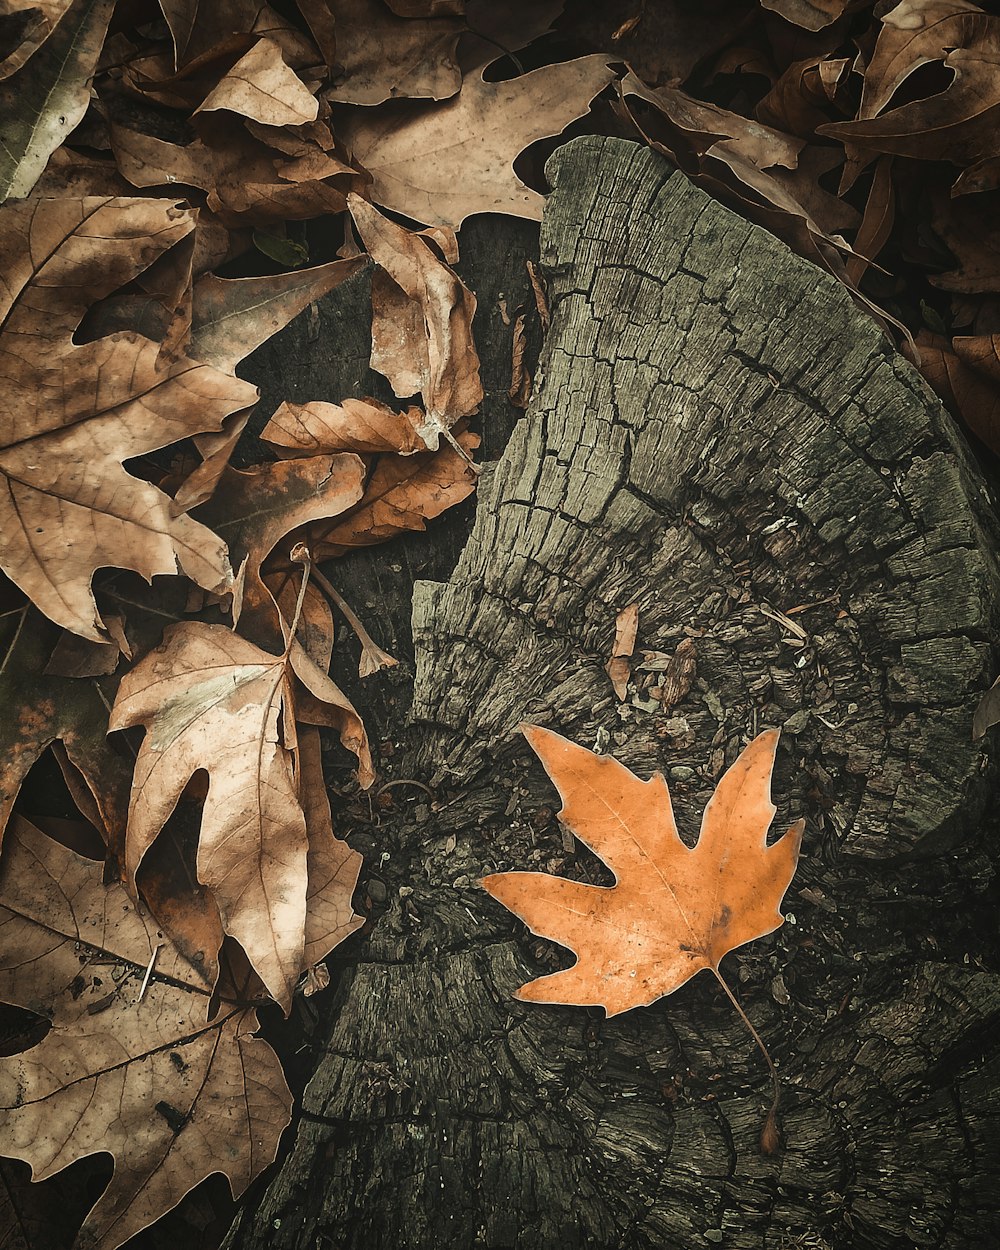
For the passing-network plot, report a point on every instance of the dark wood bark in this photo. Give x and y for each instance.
(718, 435)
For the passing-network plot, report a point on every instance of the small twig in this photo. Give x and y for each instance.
(407, 781)
(370, 649)
(769, 1138)
(149, 971)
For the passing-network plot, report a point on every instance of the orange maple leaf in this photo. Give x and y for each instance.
(674, 910)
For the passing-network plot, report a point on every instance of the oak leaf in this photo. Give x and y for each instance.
(77, 411)
(144, 1075)
(359, 425)
(440, 163)
(673, 910)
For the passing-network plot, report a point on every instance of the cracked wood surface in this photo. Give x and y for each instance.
(716, 431)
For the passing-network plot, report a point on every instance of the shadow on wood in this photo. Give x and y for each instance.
(722, 438)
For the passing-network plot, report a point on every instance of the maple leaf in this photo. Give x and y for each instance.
(438, 164)
(141, 1074)
(211, 699)
(673, 911)
(77, 411)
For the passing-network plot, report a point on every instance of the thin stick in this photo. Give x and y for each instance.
(149, 970)
(301, 555)
(380, 658)
(769, 1139)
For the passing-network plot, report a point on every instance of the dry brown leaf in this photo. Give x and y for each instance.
(800, 100)
(262, 87)
(421, 323)
(438, 164)
(254, 509)
(678, 674)
(359, 425)
(987, 711)
(673, 911)
(400, 495)
(971, 391)
(876, 224)
(618, 667)
(41, 709)
(80, 410)
(211, 700)
(970, 227)
(958, 124)
(383, 57)
(143, 1076)
(519, 391)
(809, 14)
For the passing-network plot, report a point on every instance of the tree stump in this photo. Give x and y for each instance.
(719, 436)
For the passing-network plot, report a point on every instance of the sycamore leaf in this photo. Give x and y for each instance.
(400, 495)
(672, 911)
(382, 57)
(76, 412)
(439, 163)
(262, 87)
(44, 100)
(421, 323)
(211, 700)
(41, 709)
(172, 1097)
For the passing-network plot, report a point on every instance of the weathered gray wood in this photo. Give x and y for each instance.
(718, 430)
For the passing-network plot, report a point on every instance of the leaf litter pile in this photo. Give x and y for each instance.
(165, 169)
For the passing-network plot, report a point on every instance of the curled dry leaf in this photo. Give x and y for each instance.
(519, 391)
(80, 410)
(968, 391)
(673, 911)
(438, 164)
(957, 124)
(172, 1096)
(400, 495)
(618, 667)
(988, 711)
(38, 19)
(381, 56)
(421, 323)
(211, 700)
(43, 102)
(359, 425)
(262, 87)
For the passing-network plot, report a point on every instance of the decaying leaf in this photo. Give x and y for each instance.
(421, 323)
(968, 391)
(381, 56)
(172, 1096)
(673, 911)
(262, 87)
(44, 100)
(440, 163)
(810, 14)
(77, 411)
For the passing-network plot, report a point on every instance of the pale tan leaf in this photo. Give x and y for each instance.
(211, 700)
(809, 14)
(171, 1097)
(437, 164)
(262, 87)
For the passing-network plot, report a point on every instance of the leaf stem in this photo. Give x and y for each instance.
(377, 657)
(769, 1138)
(301, 555)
